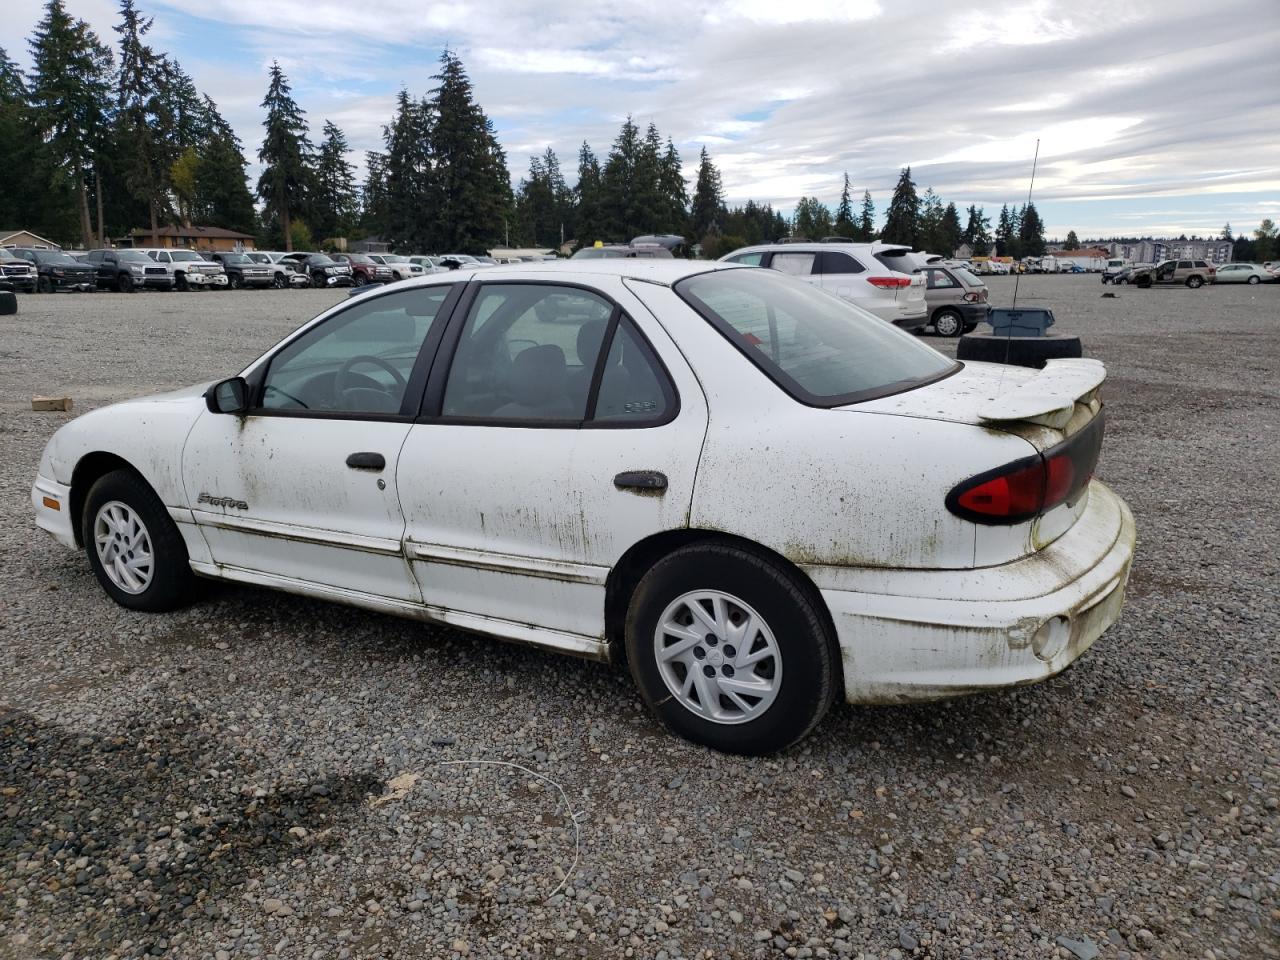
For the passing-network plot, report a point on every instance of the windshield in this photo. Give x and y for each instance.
(394, 258)
(320, 260)
(61, 259)
(821, 349)
(131, 255)
(235, 258)
(184, 256)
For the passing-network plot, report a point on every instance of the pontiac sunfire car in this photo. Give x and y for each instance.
(757, 495)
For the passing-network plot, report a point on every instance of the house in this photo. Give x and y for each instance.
(25, 238)
(211, 239)
(371, 245)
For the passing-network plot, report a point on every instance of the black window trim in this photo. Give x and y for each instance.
(781, 379)
(415, 388)
(442, 363)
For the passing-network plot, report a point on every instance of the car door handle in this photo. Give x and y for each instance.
(366, 461)
(641, 480)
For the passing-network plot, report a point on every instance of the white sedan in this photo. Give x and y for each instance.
(1243, 273)
(758, 496)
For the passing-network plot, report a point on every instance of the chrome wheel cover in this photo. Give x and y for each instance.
(124, 547)
(717, 657)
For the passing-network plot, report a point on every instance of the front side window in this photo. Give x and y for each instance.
(357, 361)
(821, 349)
(795, 264)
(527, 352)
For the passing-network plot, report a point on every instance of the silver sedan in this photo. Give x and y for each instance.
(1243, 273)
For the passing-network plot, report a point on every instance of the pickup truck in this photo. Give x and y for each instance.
(127, 270)
(189, 270)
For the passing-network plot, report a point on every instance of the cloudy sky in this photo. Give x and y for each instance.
(1154, 116)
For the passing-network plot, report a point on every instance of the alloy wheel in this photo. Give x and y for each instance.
(717, 656)
(124, 547)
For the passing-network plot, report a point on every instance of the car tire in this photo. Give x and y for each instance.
(234, 282)
(124, 520)
(795, 664)
(124, 283)
(947, 322)
(180, 283)
(1255, 279)
(44, 285)
(359, 280)
(279, 281)
(1195, 283)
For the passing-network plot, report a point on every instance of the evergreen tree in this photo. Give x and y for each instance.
(652, 210)
(471, 189)
(222, 197)
(373, 193)
(844, 226)
(901, 223)
(928, 234)
(334, 205)
(70, 96)
(285, 155)
(866, 219)
(1005, 236)
(621, 186)
(410, 180)
(674, 193)
(142, 118)
(21, 199)
(589, 219)
(708, 199)
(812, 220)
(1073, 242)
(1226, 232)
(537, 208)
(976, 231)
(1031, 232)
(1266, 240)
(951, 231)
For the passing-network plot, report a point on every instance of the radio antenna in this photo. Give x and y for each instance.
(1018, 276)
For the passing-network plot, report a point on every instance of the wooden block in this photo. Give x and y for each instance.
(51, 403)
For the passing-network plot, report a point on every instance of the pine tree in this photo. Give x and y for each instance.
(1031, 232)
(373, 194)
(901, 223)
(334, 204)
(674, 193)
(1226, 232)
(651, 209)
(70, 98)
(1005, 238)
(708, 199)
(843, 225)
(620, 185)
(471, 189)
(409, 174)
(928, 233)
(866, 219)
(1073, 242)
(976, 232)
(285, 155)
(142, 117)
(812, 220)
(21, 199)
(588, 221)
(222, 197)
(951, 231)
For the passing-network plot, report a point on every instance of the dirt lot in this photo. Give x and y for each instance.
(197, 784)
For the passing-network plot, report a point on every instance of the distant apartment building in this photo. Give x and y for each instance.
(1153, 251)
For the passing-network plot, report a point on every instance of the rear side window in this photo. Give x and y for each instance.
(821, 349)
(795, 264)
(750, 259)
(1184, 264)
(631, 386)
(830, 261)
(1201, 264)
(940, 280)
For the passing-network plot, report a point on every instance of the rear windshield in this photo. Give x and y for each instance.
(821, 349)
(899, 260)
(967, 278)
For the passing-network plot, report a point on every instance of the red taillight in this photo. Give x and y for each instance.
(889, 283)
(1029, 487)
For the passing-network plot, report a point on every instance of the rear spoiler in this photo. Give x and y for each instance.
(1050, 397)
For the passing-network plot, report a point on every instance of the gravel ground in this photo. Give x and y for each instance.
(200, 784)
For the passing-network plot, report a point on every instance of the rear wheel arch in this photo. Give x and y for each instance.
(641, 557)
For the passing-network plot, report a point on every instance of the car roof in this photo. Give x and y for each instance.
(661, 271)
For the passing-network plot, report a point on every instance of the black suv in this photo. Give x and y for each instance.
(243, 272)
(323, 271)
(127, 270)
(58, 270)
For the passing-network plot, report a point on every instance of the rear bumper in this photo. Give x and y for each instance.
(52, 502)
(973, 313)
(905, 636)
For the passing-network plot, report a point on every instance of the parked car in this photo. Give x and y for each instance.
(428, 264)
(402, 268)
(849, 270)
(284, 275)
(188, 269)
(1113, 267)
(323, 271)
(365, 269)
(1192, 273)
(622, 251)
(1243, 273)
(18, 272)
(127, 270)
(1121, 277)
(243, 272)
(56, 270)
(380, 456)
(955, 298)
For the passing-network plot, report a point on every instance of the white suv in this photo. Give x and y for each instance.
(851, 271)
(189, 270)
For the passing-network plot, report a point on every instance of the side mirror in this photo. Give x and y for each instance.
(228, 396)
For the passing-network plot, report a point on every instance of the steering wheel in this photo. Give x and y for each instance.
(379, 396)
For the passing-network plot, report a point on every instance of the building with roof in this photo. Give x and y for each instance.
(25, 238)
(211, 239)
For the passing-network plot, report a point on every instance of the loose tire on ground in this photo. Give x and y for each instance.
(170, 582)
(8, 303)
(805, 663)
(1018, 351)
